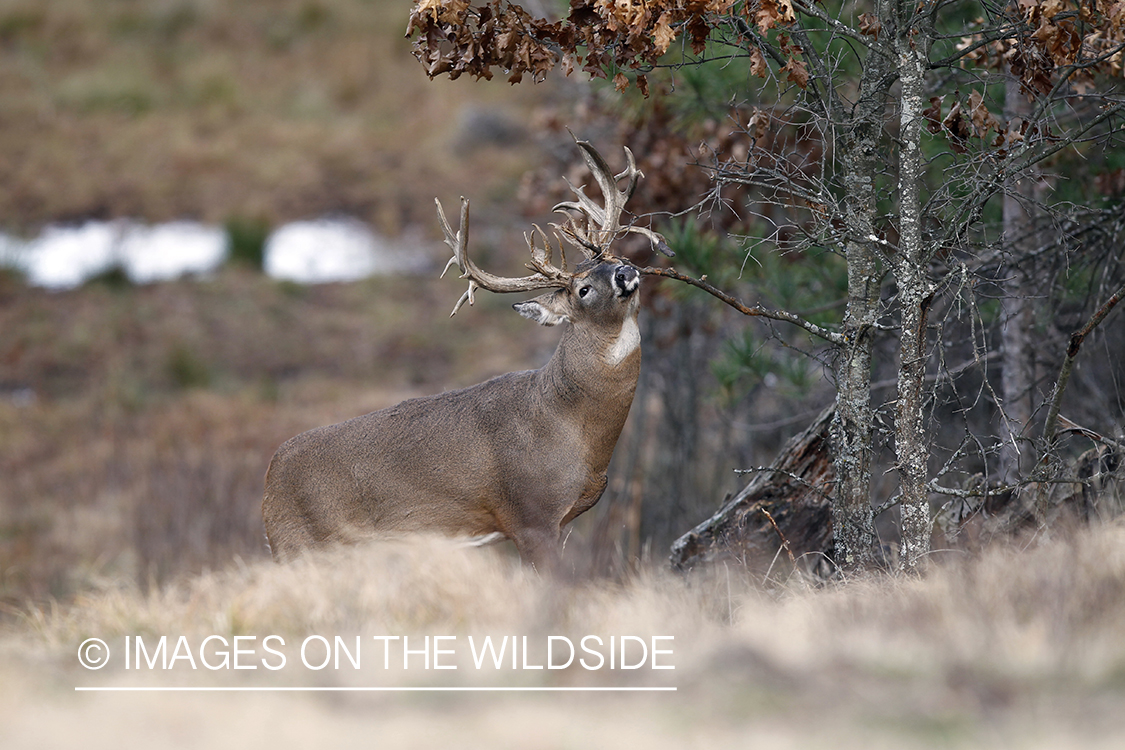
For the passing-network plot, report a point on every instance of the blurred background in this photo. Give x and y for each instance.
(217, 230)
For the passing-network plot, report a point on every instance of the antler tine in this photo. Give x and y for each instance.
(595, 241)
(546, 275)
(541, 256)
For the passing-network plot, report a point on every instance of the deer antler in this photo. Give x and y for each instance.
(602, 225)
(546, 275)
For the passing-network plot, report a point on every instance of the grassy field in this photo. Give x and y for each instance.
(1019, 648)
(262, 109)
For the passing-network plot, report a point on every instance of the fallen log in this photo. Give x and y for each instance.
(785, 507)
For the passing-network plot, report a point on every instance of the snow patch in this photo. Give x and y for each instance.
(307, 252)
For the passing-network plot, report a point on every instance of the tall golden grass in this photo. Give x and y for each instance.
(1016, 647)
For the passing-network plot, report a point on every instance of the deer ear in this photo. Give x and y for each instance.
(544, 310)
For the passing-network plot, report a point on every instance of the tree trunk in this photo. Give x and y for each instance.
(853, 519)
(914, 295)
(1016, 308)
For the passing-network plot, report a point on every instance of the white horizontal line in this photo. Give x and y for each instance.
(167, 689)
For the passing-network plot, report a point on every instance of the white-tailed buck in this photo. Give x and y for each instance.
(516, 457)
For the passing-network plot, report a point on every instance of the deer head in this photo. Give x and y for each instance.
(590, 228)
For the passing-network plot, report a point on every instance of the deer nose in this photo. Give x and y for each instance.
(626, 280)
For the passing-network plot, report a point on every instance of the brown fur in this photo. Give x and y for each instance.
(520, 455)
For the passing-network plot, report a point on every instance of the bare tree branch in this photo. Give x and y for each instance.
(1076, 339)
(756, 311)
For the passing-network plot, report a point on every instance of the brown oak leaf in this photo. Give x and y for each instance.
(773, 13)
(958, 128)
(796, 72)
(758, 65)
(932, 114)
(869, 25)
(983, 121)
(663, 34)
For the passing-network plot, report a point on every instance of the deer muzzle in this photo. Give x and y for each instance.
(626, 280)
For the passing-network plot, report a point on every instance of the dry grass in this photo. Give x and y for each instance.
(130, 508)
(1014, 648)
(271, 109)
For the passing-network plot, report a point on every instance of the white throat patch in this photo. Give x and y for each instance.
(627, 342)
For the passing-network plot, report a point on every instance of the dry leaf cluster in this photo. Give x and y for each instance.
(453, 37)
(1055, 42)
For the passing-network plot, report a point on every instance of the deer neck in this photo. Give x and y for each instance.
(592, 377)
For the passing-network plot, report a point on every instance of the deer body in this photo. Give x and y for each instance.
(516, 457)
(519, 456)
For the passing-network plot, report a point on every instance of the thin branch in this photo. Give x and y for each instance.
(830, 336)
(758, 40)
(840, 28)
(938, 489)
(895, 500)
(942, 375)
(784, 541)
(1076, 339)
(972, 204)
(994, 35)
(1066, 425)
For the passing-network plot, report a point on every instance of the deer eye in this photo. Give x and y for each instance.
(583, 291)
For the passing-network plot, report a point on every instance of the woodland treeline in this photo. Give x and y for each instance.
(917, 204)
